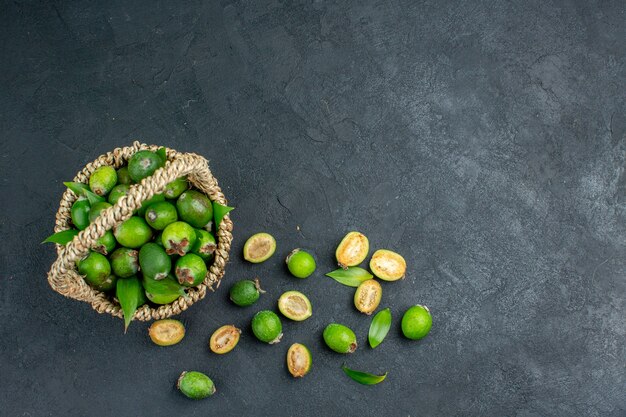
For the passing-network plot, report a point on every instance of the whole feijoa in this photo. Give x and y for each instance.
(133, 233)
(105, 244)
(102, 180)
(160, 214)
(95, 268)
(245, 292)
(205, 244)
(267, 327)
(154, 262)
(190, 270)
(147, 203)
(143, 164)
(80, 213)
(259, 248)
(107, 284)
(300, 263)
(175, 188)
(118, 192)
(123, 177)
(416, 322)
(195, 385)
(125, 262)
(178, 238)
(96, 209)
(340, 338)
(194, 208)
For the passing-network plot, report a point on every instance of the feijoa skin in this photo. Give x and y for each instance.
(340, 338)
(388, 265)
(96, 209)
(205, 244)
(164, 291)
(105, 244)
(259, 248)
(175, 188)
(102, 180)
(267, 327)
(123, 177)
(352, 250)
(195, 385)
(295, 306)
(159, 215)
(224, 339)
(416, 322)
(80, 213)
(166, 332)
(300, 263)
(299, 360)
(190, 270)
(246, 292)
(143, 164)
(118, 192)
(367, 296)
(95, 268)
(178, 238)
(133, 233)
(125, 262)
(147, 203)
(154, 262)
(194, 208)
(107, 285)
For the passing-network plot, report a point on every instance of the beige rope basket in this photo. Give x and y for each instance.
(63, 275)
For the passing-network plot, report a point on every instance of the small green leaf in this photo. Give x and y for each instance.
(364, 377)
(92, 197)
(379, 327)
(62, 238)
(161, 153)
(77, 188)
(219, 211)
(167, 286)
(352, 277)
(130, 294)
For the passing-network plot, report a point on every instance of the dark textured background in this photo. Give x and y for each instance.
(485, 142)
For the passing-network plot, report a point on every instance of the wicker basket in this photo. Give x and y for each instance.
(63, 276)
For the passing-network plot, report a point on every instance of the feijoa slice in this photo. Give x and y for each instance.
(246, 292)
(295, 306)
(388, 265)
(352, 250)
(166, 332)
(259, 247)
(299, 360)
(224, 339)
(195, 385)
(367, 296)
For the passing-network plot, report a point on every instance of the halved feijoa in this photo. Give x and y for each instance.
(295, 306)
(259, 248)
(352, 250)
(299, 360)
(388, 265)
(367, 296)
(224, 339)
(166, 332)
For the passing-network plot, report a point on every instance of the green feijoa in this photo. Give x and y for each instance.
(416, 322)
(105, 244)
(175, 188)
(80, 213)
(295, 306)
(178, 238)
(195, 385)
(147, 203)
(379, 327)
(299, 360)
(340, 338)
(194, 208)
(245, 292)
(123, 177)
(95, 268)
(107, 285)
(118, 192)
(157, 239)
(102, 180)
(205, 244)
(154, 262)
(125, 262)
(133, 233)
(96, 209)
(259, 247)
(267, 327)
(130, 295)
(143, 164)
(164, 291)
(301, 264)
(160, 214)
(190, 270)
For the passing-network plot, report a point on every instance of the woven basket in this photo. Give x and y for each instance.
(63, 275)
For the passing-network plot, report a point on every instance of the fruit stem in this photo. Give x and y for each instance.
(257, 284)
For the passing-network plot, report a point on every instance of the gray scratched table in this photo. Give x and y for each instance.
(485, 141)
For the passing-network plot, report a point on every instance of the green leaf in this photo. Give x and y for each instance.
(364, 377)
(77, 188)
(129, 293)
(161, 153)
(379, 327)
(62, 238)
(352, 277)
(219, 211)
(92, 197)
(167, 286)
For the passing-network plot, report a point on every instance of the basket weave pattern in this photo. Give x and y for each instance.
(63, 275)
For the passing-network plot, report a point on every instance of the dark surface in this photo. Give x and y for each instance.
(484, 142)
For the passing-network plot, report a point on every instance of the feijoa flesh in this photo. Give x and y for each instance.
(166, 332)
(367, 296)
(259, 247)
(299, 360)
(295, 306)
(388, 265)
(224, 339)
(352, 250)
